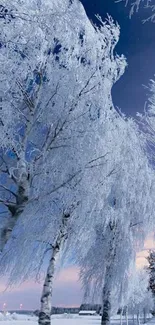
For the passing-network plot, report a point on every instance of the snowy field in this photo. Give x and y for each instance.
(56, 320)
(15, 319)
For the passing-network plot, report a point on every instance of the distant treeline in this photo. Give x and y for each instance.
(73, 310)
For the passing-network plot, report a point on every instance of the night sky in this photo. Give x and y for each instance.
(137, 43)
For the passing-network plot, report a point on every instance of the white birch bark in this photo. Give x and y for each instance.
(46, 297)
(45, 310)
(106, 309)
(106, 296)
(16, 209)
(20, 174)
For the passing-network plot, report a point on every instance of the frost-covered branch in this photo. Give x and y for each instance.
(135, 7)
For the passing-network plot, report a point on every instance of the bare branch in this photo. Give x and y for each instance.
(27, 99)
(20, 112)
(86, 85)
(8, 190)
(101, 157)
(136, 224)
(7, 203)
(69, 180)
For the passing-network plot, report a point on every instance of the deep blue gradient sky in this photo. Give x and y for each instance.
(137, 43)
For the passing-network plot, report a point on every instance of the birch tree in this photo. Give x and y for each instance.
(37, 81)
(55, 110)
(129, 214)
(140, 299)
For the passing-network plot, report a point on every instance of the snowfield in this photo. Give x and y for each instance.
(66, 319)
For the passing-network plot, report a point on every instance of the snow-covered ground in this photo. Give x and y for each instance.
(65, 319)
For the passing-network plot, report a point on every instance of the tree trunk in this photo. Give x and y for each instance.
(106, 295)
(138, 318)
(46, 297)
(45, 310)
(105, 320)
(106, 307)
(15, 209)
(121, 316)
(145, 318)
(126, 314)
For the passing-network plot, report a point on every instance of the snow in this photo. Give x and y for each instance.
(87, 312)
(65, 319)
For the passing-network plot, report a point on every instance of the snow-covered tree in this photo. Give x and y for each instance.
(128, 215)
(151, 271)
(57, 123)
(147, 120)
(147, 124)
(140, 299)
(36, 81)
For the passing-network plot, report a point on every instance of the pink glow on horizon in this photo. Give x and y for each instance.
(66, 292)
(67, 275)
(142, 256)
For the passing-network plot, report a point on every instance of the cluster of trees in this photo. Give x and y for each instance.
(74, 173)
(139, 297)
(151, 269)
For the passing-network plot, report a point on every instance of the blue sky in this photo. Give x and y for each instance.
(137, 43)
